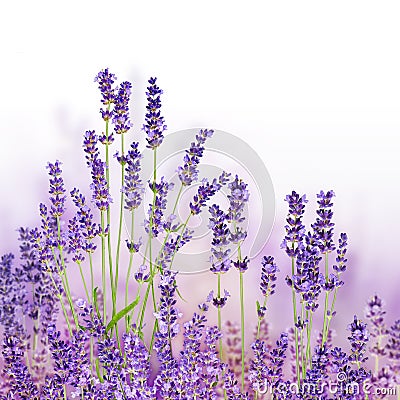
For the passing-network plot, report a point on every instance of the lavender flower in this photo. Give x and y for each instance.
(238, 197)
(258, 374)
(106, 79)
(137, 368)
(89, 229)
(277, 358)
(133, 186)
(57, 190)
(295, 229)
(168, 325)
(101, 196)
(307, 280)
(189, 172)
(20, 380)
(189, 384)
(268, 276)
(205, 191)
(219, 259)
(341, 254)
(393, 348)
(323, 227)
(75, 240)
(359, 336)
(120, 117)
(154, 125)
(156, 212)
(375, 313)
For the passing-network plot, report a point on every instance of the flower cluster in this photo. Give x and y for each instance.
(57, 346)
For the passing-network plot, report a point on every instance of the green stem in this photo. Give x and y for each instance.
(333, 305)
(36, 322)
(103, 266)
(152, 273)
(84, 282)
(58, 294)
(128, 274)
(63, 274)
(309, 333)
(219, 316)
(324, 329)
(303, 363)
(260, 319)
(91, 277)
(242, 320)
(296, 333)
(121, 211)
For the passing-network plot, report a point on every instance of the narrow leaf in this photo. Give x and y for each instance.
(122, 313)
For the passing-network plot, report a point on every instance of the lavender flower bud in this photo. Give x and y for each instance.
(155, 124)
(189, 172)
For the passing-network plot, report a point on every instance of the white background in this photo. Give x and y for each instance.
(313, 86)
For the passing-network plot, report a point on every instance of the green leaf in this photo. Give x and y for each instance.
(258, 305)
(122, 313)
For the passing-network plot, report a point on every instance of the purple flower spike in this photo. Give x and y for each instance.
(220, 261)
(75, 240)
(57, 190)
(359, 336)
(157, 212)
(133, 187)
(295, 229)
(189, 172)
(154, 125)
(121, 109)
(341, 254)
(89, 229)
(106, 79)
(100, 193)
(323, 227)
(268, 276)
(205, 191)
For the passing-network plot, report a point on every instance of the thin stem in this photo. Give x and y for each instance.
(152, 273)
(58, 294)
(109, 220)
(296, 333)
(91, 277)
(121, 211)
(63, 273)
(219, 316)
(242, 322)
(36, 322)
(303, 363)
(309, 333)
(84, 282)
(128, 274)
(333, 305)
(324, 329)
(103, 267)
(260, 319)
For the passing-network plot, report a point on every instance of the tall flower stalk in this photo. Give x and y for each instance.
(293, 243)
(238, 198)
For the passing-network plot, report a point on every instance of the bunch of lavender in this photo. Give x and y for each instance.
(91, 360)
